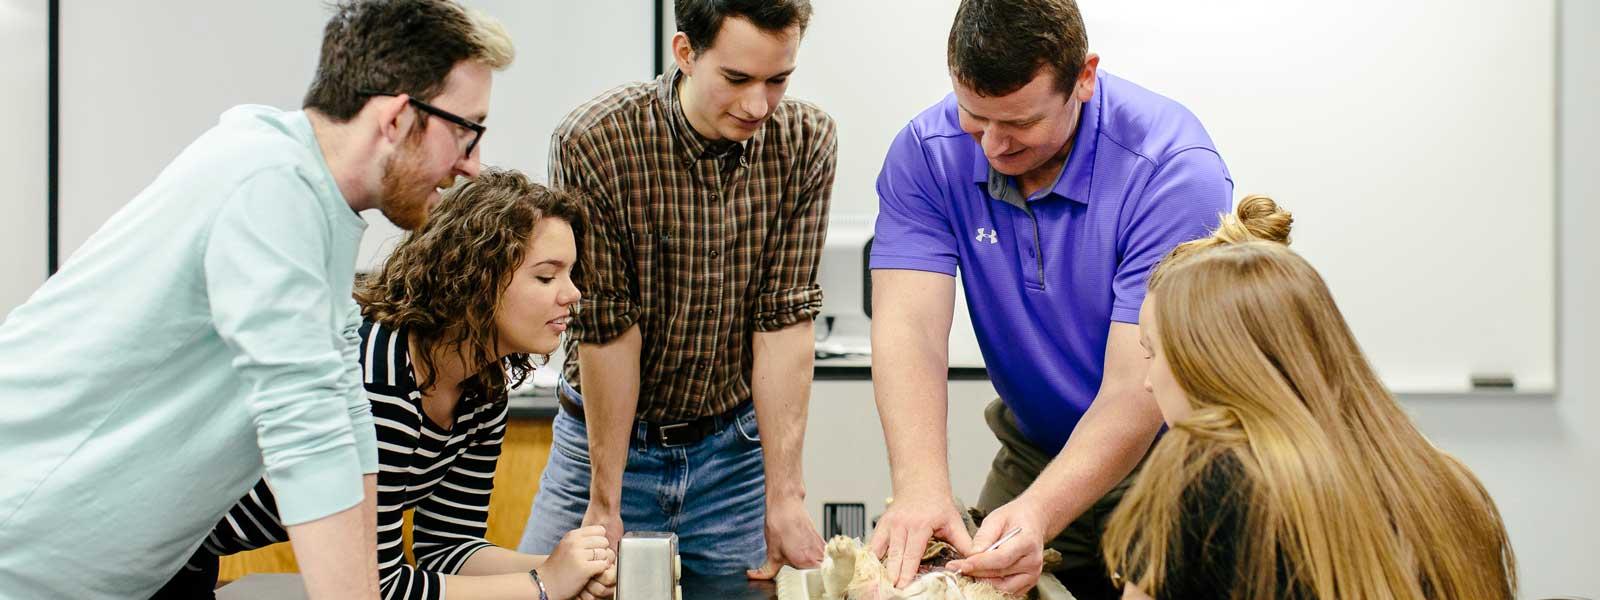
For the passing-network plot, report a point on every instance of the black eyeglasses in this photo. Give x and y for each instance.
(476, 128)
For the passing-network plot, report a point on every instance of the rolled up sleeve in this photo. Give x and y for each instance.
(267, 283)
(789, 292)
(605, 270)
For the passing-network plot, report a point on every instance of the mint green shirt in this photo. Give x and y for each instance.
(203, 338)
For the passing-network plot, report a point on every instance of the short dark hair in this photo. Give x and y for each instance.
(998, 46)
(700, 20)
(398, 47)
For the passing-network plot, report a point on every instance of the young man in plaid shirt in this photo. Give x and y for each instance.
(707, 193)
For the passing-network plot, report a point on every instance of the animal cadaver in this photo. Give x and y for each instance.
(851, 572)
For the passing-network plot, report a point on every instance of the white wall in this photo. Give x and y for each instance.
(567, 53)
(138, 85)
(1419, 129)
(23, 137)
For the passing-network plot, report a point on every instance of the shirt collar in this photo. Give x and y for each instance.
(1073, 183)
(693, 145)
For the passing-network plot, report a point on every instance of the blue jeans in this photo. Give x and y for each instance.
(711, 493)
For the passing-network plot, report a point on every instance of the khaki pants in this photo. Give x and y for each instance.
(1015, 467)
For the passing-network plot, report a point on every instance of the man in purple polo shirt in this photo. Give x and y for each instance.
(1053, 188)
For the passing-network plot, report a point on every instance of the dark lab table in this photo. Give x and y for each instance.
(727, 587)
(284, 586)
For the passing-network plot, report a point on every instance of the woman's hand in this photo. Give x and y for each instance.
(582, 555)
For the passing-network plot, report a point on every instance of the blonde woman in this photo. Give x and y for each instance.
(1289, 470)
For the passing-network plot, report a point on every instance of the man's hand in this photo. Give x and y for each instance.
(608, 516)
(792, 539)
(1014, 566)
(902, 534)
(601, 586)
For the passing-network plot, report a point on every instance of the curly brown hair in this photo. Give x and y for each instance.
(443, 282)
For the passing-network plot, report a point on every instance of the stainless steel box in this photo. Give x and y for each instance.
(648, 567)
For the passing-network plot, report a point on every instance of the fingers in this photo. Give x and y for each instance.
(801, 549)
(955, 532)
(603, 585)
(1009, 559)
(911, 549)
(590, 541)
(991, 530)
(892, 558)
(809, 556)
(792, 539)
(767, 571)
(880, 541)
(586, 542)
(596, 564)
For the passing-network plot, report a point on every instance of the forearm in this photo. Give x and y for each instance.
(913, 404)
(494, 560)
(1108, 442)
(369, 522)
(781, 385)
(911, 373)
(610, 381)
(336, 554)
(506, 586)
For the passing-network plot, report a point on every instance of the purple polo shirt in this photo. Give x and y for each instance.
(1046, 276)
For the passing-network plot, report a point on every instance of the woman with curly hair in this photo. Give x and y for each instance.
(1289, 470)
(451, 323)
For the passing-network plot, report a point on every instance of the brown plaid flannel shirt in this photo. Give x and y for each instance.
(699, 243)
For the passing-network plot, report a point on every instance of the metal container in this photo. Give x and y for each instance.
(648, 567)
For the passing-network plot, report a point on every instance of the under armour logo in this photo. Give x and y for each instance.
(991, 236)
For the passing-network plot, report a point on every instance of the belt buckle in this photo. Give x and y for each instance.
(663, 432)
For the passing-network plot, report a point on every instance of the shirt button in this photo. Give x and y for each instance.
(715, 254)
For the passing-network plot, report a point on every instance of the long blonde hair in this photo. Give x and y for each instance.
(1337, 483)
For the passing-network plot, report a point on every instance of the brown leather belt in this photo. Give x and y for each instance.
(666, 435)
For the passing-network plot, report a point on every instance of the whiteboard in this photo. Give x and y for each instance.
(138, 85)
(1413, 140)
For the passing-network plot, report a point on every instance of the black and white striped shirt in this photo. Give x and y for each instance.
(445, 474)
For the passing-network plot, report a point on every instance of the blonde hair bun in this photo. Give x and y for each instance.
(1257, 217)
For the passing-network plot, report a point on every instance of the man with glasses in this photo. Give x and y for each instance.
(707, 199)
(205, 336)
(467, 137)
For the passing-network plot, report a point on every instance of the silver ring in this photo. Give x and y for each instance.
(594, 554)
